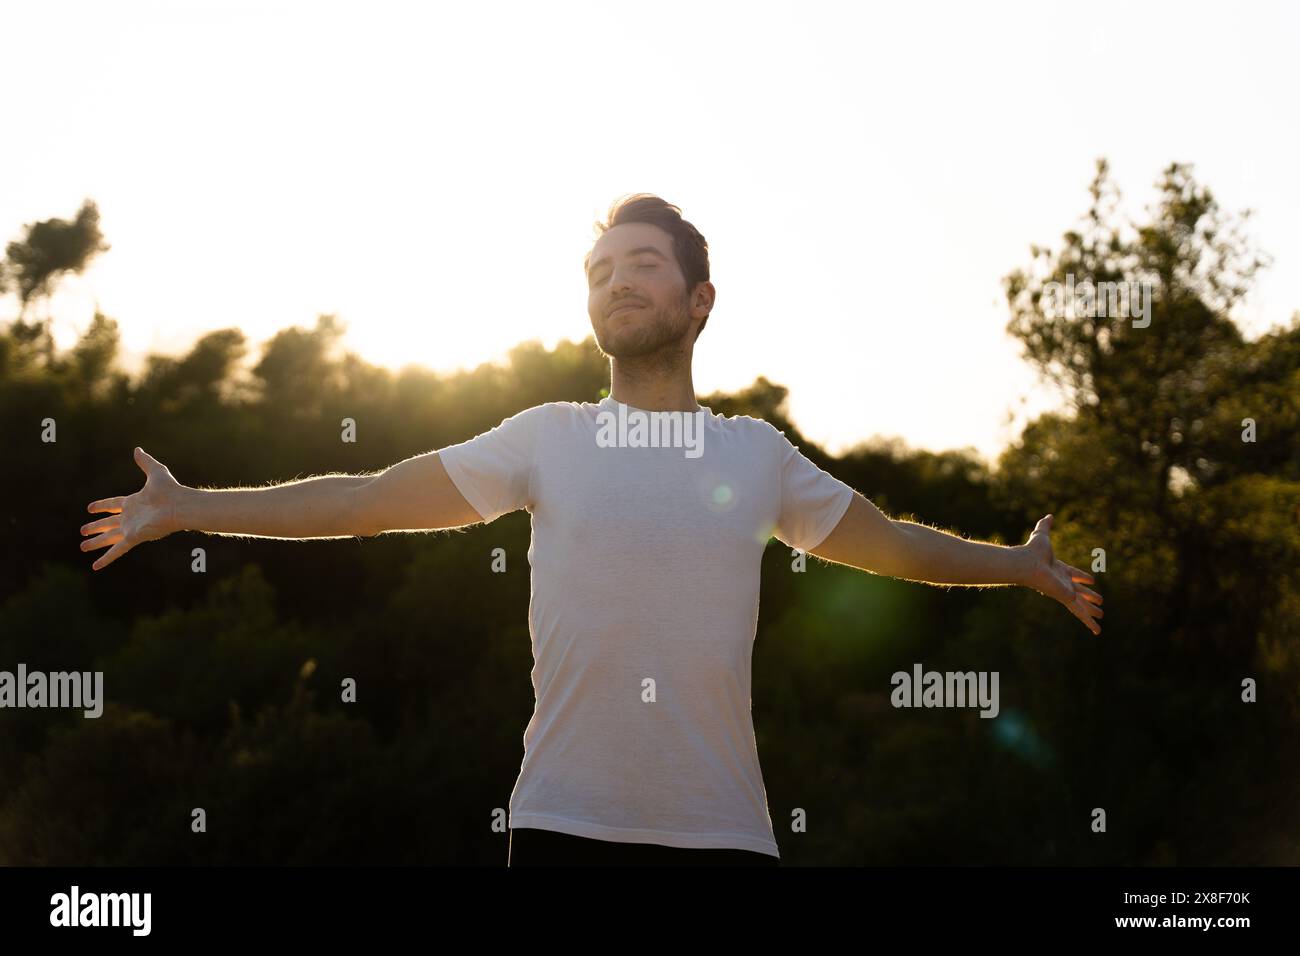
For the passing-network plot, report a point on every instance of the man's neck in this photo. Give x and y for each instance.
(652, 386)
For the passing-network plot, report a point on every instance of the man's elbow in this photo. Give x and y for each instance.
(360, 521)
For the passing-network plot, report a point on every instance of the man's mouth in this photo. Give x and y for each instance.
(624, 308)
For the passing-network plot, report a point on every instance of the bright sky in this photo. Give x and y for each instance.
(865, 175)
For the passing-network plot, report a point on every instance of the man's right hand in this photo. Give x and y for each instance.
(147, 515)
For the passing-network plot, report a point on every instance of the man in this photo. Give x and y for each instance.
(650, 515)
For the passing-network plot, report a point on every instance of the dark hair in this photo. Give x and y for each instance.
(689, 246)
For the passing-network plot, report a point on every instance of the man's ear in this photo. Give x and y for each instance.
(706, 296)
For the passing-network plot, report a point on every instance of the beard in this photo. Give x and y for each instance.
(648, 333)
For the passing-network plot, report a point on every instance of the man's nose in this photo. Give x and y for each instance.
(619, 282)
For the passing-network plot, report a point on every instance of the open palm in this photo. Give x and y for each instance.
(147, 515)
(1062, 581)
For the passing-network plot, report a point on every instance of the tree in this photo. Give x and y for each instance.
(52, 247)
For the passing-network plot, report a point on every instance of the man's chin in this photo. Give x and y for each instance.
(626, 343)
(621, 346)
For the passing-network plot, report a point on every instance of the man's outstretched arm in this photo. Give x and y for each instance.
(868, 540)
(416, 494)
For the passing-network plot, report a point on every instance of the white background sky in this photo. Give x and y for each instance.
(865, 174)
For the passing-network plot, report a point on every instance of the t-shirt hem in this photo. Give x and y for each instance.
(833, 518)
(451, 461)
(693, 841)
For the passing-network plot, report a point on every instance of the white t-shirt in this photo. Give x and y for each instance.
(645, 567)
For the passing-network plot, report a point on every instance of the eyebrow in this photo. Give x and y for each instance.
(635, 252)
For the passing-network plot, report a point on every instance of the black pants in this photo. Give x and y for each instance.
(530, 846)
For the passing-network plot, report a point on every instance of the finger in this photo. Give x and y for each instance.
(1090, 611)
(103, 541)
(1087, 621)
(1044, 524)
(106, 504)
(146, 461)
(1080, 576)
(1088, 594)
(103, 524)
(114, 553)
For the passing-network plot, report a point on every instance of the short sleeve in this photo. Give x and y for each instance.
(494, 470)
(812, 500)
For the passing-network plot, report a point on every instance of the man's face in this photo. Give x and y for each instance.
(637, 296)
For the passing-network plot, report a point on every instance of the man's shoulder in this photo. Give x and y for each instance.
(561, 411)
(546, 416)
(543, 411)
(748, 424)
